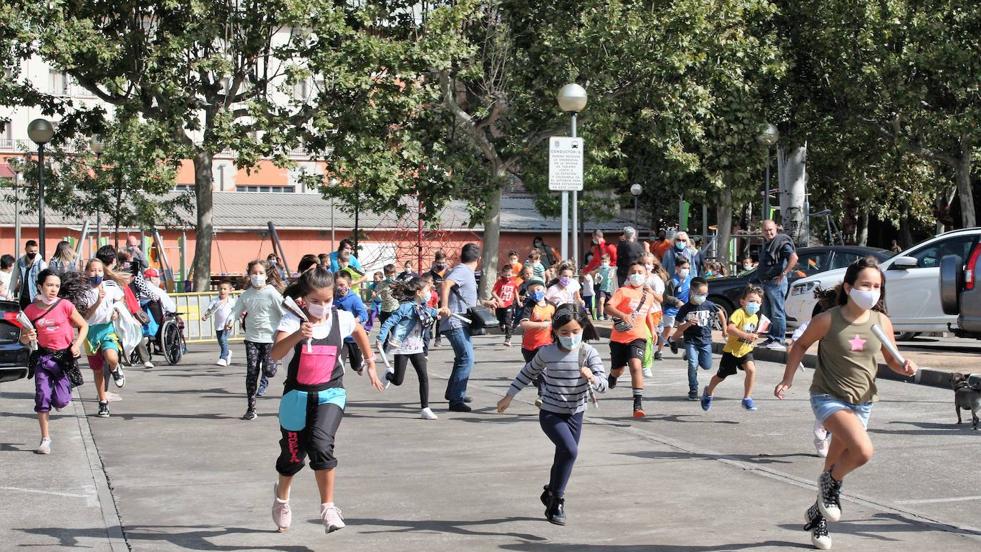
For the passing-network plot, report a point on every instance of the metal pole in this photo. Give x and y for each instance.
(419, 240)
(766, 193)
(40, 200)
(636, 200)
(357, 214)
(17, 182)
(333, 236)
(565, 225)
(575, 211)
(119, 200)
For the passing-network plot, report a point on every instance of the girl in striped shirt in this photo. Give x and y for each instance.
(569, 368)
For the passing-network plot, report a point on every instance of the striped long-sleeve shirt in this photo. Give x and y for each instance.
(565, 390)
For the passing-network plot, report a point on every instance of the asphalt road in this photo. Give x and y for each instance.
(175, 469)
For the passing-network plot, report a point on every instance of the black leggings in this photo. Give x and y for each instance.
(419, 363)
(315, 440)
(564, 431)
(257, 360)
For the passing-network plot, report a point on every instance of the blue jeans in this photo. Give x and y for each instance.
(456, 387)
(698, 355)
(775, 294)
(222, 343)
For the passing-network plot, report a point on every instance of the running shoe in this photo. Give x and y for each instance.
(427, 414)
(228, 361)
(331, 516)
(822, 446)
(658, 356)
(103, 409)
(674, 346)
(221, 362)
(829, 496)
(249, 415)
(692, 394)
(647, 373)
(556, 510)
(639, 407)
(748, 404)
(263, 384)
(706, 400)
(44, 447)
(118, 377)
(507, 342)
(611, 381)
(281, 514)
(818, 526)
(388, 377)
(775, 346)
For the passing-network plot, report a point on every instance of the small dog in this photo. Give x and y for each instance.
(967, 396)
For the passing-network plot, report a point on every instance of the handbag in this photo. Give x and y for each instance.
(622, 325)
(480, 316)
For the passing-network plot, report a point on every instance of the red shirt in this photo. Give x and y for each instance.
(54, 329)
(603, 248)
(506, 290)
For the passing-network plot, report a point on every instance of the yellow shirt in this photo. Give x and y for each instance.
(735, 346)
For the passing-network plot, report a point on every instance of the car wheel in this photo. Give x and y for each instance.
(726, 307)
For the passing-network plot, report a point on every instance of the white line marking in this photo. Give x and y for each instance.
(38, 491)
(938, 500)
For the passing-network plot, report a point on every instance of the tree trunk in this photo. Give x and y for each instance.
(492, 236)
(201, 267)
(792, 178)
(964, 192)
(905, 232)
(862, 230)
(723, 221)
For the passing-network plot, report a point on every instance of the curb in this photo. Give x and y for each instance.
(924, 376)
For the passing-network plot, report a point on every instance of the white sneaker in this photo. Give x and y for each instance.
(331, 516)
(427, 414)
(648, 373)
(148, 364)
(819, 430)
(822, 446)
(388, 372)
(44, 447)
(776, 346)
(281, 514)
(228, 361)
(221, 362)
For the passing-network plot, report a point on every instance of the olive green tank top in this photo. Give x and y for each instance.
(846, 364)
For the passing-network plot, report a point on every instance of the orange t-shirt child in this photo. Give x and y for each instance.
(625, 345)
(536, 338)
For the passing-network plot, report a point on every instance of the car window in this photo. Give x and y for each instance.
(842, 260)
(809, 264)
(929, 256)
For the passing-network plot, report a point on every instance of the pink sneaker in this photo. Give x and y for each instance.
(281, 514)
(331, 515)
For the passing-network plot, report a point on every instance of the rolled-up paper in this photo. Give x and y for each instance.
(888, 344)
(290, 305)
(461, 317)
(381, 351)
(26, 323)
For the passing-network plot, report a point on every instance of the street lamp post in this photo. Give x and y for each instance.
(97, 147)
(636, 190)
(18, 182)
(40, 131)
(768, 136)
(572, 99)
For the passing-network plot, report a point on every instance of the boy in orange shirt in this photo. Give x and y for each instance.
(630, 308)
(536, 322)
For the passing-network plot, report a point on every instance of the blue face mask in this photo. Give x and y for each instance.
(680, 246)
(537, 296)
(94, 281)
(752, 308)
(571, 342)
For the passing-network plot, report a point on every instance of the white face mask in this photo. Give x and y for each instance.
(637, 280)
(683, 273)
(650, 267)
(47, 300)
(865, 299)
(571, 342)
(318, 310)
(258, 280)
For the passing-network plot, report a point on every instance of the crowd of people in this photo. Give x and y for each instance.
(655, 295)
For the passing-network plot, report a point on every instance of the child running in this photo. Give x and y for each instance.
(566, 289)
(313, 395)
(262, 303)
(407, 326)
(221, 310)
(53, 319)
(696, 328)
(630, 308)
(656, 277)
(102, 344)
(605, 277)
(738, 351)
(676, 294)
(569, 368)
(536, 324)
(843, 389)
(348, 300)
(505, 291)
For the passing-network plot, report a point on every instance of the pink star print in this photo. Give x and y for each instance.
(858, 344)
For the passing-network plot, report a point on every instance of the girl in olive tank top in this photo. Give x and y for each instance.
(843, 388)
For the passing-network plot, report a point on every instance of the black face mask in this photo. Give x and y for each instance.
(31, 255)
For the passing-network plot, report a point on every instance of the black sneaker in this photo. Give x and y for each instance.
(818, 526)
(639, 407)
(467, 399)
(674, 346)
(546, 496)
(658, 355)
(103, 409)
(249, 415)
(555, 513)
(460, 407)
(829, 497)
(118, 377)
(611, 381)
(692, 395)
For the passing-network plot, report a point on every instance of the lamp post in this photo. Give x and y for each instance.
(40, 131)
(768, 136)
(636, 190)
(18, 182)
(97, 147)
(572, 99)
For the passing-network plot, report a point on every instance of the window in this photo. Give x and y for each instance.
(842, 260)
(929, 256)
(184, 187)
(57, 83)
(7, 140)
(809, 264)
(274, 189)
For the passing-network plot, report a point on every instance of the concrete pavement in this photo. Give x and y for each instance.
(187, 474)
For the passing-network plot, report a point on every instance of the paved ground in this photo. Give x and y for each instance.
(175, 469)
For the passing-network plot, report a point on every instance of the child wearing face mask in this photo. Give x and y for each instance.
(346, 299)
(314, 397)
(675, 295)
(696, 326)
(605, 278)
(505, 290)
(535, 322)
(568, 369)
(102, 345)
(631, 307)
(738, 351)
(566, 289)
(407, 327)
(262, 303)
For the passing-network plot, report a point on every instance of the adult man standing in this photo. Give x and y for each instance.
(458, 294)
(661, 245)
(133, 246)
(23, 283)
(777, 257)
(629, 251)
(600, 247)
(438, 272)
(682, 247)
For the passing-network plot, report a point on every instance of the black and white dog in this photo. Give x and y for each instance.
(967, 395)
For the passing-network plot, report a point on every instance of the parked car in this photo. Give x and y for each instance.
(960, 291)
(727, 291)
(912, 285)
(13, 355)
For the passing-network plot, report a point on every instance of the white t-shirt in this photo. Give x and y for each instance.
(657, 284)
(412, 344)
(220, 311)
(558, 295)
(587, 285)
(290, 323)
(5, 280)
(103, 314)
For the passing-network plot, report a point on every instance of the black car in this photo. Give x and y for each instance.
(13, 355)
(727, 291)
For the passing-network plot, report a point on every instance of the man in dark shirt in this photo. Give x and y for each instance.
(777, 258)
(695, 324)
(629, 251)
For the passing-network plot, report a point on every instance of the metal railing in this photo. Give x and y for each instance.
(192, 306)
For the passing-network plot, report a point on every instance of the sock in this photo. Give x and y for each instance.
(327, 505)
(638, 392)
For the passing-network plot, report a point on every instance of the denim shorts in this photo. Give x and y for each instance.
(826, 405)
